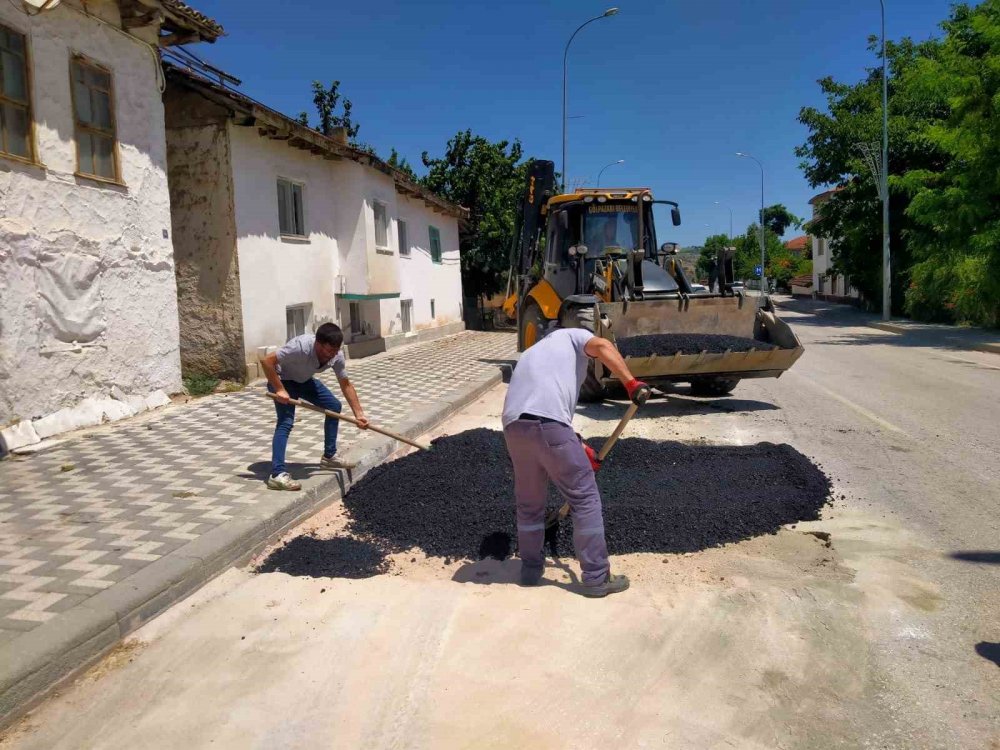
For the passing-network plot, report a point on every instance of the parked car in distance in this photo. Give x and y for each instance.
(698, 288)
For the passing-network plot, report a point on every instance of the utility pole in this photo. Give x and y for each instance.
(730, 220)
(884, 186)
(606, 14)
(620, 161)
(760, 227)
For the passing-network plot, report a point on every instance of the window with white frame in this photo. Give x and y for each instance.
(404, 243)
(406, 312)
(291, 212)
(381, 226)
(15, 98)
(435, 239)
(296, 320)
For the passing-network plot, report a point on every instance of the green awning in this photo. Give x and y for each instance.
(387, 295)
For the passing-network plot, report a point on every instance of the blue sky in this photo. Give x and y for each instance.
(673, 88)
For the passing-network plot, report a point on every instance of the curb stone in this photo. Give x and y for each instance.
(58, 651)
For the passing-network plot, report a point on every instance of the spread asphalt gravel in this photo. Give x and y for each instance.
(338, 557)
(668, 344)
(456, 501)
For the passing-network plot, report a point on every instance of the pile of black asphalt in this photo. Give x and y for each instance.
(337, 557)
(457, 501)
(668, 344)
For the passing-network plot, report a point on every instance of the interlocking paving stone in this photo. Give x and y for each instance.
(138, 491)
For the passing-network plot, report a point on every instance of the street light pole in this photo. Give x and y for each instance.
(606, 14)
(717, 203)
(620, 161)
(760, 222)
(884, 187)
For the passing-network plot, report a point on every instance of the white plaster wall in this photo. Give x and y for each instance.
(109, 238)
(382, 270)
(277, 272)
(420, 279)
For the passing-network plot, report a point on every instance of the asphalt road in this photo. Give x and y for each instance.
(910, 425)
(876, 626)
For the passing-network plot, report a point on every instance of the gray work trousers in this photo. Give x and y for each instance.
(544, 451)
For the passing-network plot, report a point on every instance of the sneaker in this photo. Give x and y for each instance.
(530, 576)
(283, 481)
(332, 462)
(613, 584)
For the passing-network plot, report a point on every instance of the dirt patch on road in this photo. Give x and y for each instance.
(334, 557)
(456, 502)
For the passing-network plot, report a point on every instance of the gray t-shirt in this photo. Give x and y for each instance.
(297, 360)
(547, 379)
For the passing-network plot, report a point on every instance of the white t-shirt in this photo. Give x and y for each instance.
(547, 379)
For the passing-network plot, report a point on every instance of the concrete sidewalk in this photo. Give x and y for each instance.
(105, 531)
(975, 339)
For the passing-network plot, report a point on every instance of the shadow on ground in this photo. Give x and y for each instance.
(675, 403)
(507, 572)
(456, 501)
(989, 558)
(813, 313)
(989, 651)
(506, 366)
(261, 470)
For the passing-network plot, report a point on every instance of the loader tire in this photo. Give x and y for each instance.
(533, 326)
(591, 391)
(713, 386)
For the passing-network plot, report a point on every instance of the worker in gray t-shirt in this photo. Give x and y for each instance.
(537, 421)
(290, 373)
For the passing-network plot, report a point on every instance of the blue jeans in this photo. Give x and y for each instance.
(315, 392)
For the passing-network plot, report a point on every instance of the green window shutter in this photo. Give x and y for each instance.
(435, 237)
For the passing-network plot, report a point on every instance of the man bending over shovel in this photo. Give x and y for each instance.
(290, 373)
(537, 419)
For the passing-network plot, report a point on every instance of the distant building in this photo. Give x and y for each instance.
(88, 298)
(278, 228)
(801, 245)
(827, 285)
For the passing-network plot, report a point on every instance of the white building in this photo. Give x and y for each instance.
(827, 285)
(87, 289)
(278, 228)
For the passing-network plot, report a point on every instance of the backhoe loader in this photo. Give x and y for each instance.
(592, 254)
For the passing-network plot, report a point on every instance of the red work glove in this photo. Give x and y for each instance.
(637, 391)
(595, 463)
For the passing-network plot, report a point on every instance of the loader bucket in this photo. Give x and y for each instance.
(733, 316)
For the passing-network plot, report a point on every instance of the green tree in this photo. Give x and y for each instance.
(777, 218)
(955, 242)
(832, 155)
(709, 253)
(326, 100)
(487, 178)
(400, 162)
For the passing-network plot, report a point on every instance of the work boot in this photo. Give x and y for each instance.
(531, 576)
(612, 585)
(332, 462)
(283, 481)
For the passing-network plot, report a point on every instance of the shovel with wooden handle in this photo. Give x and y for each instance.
(556, 516)
(345, 418)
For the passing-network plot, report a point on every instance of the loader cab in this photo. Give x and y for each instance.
(604, 243)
